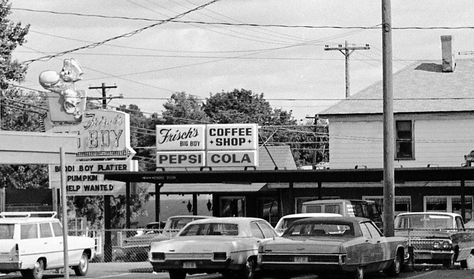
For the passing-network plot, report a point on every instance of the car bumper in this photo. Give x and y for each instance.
(195, 266)
(301, 268)
(10, 266)
(432, 256)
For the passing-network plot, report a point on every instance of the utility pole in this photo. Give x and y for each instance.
(388, 123)
(107, 209)
(347, 50)
(104, 90)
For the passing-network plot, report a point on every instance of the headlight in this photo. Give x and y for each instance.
(220, 256)
(158, 256)
(443, 245)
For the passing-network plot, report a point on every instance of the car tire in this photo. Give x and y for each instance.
(36, 272)
(249, 270)
(177, 274)
(396, 266)
(463, 264)
(358, 273)
(83, 266)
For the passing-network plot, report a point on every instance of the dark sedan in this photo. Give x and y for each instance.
(323, 245)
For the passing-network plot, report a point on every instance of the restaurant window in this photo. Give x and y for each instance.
(232, 206)
(268, 210)
(404, 141)
(449, 204)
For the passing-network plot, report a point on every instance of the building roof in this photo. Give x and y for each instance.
(421, 87)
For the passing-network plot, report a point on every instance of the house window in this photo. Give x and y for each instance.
(404, 142)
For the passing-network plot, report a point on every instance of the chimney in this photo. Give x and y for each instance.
(447, 53)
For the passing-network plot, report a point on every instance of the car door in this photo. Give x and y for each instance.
(52, 249)
(371, 252)
(381, 252)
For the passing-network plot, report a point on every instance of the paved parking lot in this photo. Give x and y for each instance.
(132, 270)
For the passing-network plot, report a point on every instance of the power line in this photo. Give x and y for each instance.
(248, 24)
(128, 34)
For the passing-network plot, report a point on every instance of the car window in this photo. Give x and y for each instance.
(57, 229)
(365, 231)
(321, 228)
(268, 232)
(256, 231)
(45, 230)
(459, 224)
(332, 208)
(313, 209)
(28, 231)
(6, 231)
(179, 223)
(373, 230)
(210, 229)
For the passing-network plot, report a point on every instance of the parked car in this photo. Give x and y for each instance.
(287, 220)
(351, 208)
(136, 248)
(324, 245)
(31, 242)
(228, 245)
(436, 237)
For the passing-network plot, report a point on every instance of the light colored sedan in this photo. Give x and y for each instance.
(225, 245)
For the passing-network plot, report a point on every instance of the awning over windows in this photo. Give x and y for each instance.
(211, 188)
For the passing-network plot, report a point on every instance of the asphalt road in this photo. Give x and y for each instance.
(138, 271)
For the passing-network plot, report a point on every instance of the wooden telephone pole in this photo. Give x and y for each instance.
(104, 90)
(347, 50)
(107, 210)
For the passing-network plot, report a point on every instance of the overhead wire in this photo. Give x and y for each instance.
(305, 26)
(128, 34)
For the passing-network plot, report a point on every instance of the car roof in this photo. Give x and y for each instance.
(337, 201)
(230, 220)
(190, 216)
(340, 219)
(27, 217)
(429, 212)
(304, 215)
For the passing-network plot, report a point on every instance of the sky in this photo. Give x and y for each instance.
(287, 64)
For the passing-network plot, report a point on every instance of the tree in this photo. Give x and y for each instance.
(182, 108)
(18, 109)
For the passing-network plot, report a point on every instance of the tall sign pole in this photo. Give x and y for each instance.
(388, 123)
(62, 161)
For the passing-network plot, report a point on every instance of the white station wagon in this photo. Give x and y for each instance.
(31, 243)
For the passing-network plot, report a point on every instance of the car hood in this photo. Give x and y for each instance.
(300, 244)
(186, 244)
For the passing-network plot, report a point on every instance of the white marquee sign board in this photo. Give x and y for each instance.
(101, 134)
(211, 145)
(80, 180)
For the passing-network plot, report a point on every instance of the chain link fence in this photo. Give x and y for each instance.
(124, 245)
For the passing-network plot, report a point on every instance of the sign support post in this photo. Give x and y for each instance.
(62, 159)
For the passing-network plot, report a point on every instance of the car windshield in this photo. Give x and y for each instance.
(423, 221)
(320, 228)
(6, 231)
(210, 229)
